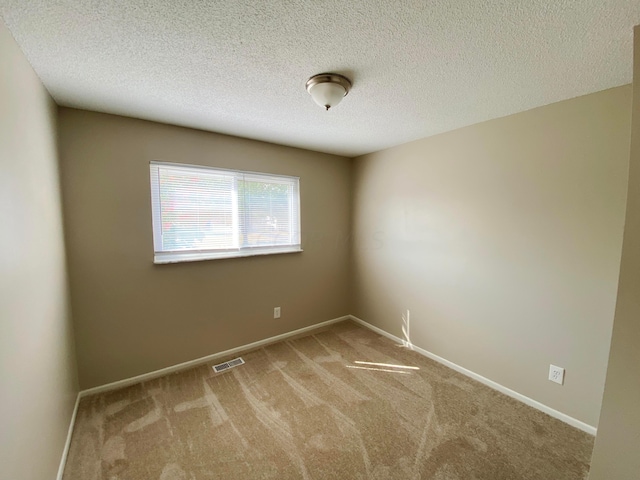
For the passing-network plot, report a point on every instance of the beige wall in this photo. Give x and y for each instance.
(503, 239)
(38, 381)
(617, 451)
(132, 316)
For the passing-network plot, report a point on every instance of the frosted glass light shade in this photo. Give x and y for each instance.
(328, 89)
(327, 94)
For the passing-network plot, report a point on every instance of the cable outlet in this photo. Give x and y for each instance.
(276, 312)
(556, 374)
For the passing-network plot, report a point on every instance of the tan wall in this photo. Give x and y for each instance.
(617, 450)
(38, 381)
(503, 239)
(132, 316)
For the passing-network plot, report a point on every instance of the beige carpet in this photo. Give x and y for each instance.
(344, 403)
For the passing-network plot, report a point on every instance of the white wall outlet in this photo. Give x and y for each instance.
(276, 312)
(556, 374)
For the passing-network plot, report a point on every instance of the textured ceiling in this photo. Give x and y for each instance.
(240, 66)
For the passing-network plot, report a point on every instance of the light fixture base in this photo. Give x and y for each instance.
(341, 80)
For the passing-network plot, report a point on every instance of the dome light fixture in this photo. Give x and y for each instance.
(328, 89)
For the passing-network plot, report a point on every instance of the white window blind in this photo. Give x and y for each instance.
(203, 213)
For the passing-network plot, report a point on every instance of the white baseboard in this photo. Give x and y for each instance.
(198, 361)
(490, 383)
(67, 443)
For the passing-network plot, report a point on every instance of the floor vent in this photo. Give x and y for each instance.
(227, 365)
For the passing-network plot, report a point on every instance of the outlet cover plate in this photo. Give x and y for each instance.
(276, 312)
(556, 374)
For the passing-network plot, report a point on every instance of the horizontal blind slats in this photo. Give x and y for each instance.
(200, 209)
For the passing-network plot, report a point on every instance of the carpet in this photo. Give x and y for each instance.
(340, 403)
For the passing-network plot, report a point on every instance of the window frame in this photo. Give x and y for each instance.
(178, 256)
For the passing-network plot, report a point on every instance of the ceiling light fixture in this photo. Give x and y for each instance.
(327, 89)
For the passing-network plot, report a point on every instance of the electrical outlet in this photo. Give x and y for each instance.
(276, 312)
(556, 374)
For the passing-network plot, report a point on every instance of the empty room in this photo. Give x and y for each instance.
(311, 239)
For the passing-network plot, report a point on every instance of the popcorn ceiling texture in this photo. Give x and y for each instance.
(239, 67)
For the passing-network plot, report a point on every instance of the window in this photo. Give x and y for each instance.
(202, 213)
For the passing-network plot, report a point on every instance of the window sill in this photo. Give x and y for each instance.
(180, 257)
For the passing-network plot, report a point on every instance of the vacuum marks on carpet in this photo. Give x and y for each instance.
(344, 403)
